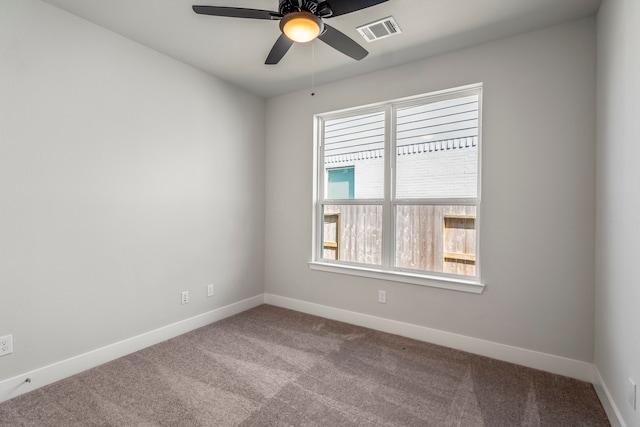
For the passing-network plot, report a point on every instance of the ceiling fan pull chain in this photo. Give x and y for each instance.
(313, 68)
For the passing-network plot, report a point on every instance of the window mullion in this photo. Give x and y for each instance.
(319, 188)
(388, 242)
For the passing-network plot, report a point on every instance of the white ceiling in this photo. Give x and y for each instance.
(235, 49)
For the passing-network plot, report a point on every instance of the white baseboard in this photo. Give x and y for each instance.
(546, 362)
(614, 415)
(40, 377)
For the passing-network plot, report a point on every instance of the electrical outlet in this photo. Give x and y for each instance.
(185, 297)
(210, 290)
(382, 296)
(631, 393)
(6, 345)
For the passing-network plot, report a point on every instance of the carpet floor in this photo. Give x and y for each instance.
(275, 367)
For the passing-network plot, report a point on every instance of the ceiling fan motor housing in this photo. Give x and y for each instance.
(319, 8)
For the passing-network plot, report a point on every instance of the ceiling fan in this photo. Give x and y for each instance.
(301, 21)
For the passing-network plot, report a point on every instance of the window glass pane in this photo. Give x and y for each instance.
(340, 183)
(352, 233)
(437, 149)
(436, 238)
(356, 143)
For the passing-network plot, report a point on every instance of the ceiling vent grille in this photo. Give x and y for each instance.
(379, 29)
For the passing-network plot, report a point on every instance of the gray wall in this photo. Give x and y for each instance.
(125, 178)
(538, 207)
(617, 343)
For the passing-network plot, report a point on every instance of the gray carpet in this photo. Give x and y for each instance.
(275, 367)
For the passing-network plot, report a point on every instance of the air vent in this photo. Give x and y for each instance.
(379, 29)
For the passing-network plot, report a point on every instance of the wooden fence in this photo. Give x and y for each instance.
(428, 238)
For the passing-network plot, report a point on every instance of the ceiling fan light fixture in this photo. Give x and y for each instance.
(301, 26)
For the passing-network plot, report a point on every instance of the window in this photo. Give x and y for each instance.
(398, 190)
(340, 184)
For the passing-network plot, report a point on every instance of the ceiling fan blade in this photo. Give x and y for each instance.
(340, 7)
(278, 50)
(236, 12)
(343, 43)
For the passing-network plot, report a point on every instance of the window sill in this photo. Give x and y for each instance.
(454, 284)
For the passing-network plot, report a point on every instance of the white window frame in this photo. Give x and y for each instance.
(386, 271)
